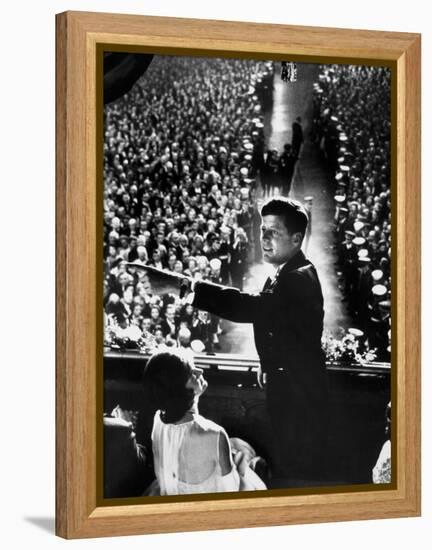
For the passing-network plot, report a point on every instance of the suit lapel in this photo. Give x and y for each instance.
(297, 261)
(271, 281)
(267, 284)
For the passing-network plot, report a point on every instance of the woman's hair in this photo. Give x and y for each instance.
(165, 377)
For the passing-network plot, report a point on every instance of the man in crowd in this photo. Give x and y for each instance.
(297, 137)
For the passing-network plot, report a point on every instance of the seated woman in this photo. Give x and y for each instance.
(191, 453)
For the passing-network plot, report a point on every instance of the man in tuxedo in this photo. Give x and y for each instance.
(287, 317)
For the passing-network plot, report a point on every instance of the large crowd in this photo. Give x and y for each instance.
(181, 154)
(352, 128)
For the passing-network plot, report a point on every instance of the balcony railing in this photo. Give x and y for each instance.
(250, 363)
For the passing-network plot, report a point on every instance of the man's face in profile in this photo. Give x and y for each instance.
(277, 244)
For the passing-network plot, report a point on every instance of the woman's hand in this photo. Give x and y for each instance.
(118, 412)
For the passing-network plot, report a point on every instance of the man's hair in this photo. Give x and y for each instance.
(291, 211)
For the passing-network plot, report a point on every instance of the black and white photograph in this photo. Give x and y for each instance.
(247, 289)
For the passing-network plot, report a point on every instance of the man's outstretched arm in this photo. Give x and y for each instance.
(226, 302)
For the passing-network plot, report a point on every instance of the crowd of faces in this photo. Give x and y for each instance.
(352, 115)
(181, 153)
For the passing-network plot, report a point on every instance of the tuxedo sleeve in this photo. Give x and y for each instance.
(226, 302)
(242, 307)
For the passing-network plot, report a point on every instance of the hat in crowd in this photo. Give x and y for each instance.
(339, 198)
(343, 209)
(341, 160)
(133, 238)
(364, 259)
(379, 290)
(356, 332)
(345, 168)
(359, 241)
(350, 233)
(334, 118)
(247, 145)
(116, 262)
(358, 226)
(244, 171)
(363, 252)
(309, 198)
(343, 137)
(248, 157)
(377, 274)
(197, 346)
(385, 304)
(215, 263)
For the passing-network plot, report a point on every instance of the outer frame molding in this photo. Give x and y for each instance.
(78, 35)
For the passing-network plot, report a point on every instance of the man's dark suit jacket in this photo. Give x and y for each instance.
(287, 317)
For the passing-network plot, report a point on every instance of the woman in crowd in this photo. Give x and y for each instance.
(191, 453)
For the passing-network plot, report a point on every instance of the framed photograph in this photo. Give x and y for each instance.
(238, 274)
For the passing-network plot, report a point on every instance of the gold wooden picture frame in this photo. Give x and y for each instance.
(81, 38)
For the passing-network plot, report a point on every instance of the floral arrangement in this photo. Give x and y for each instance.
(350, 345)
(127, 337)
